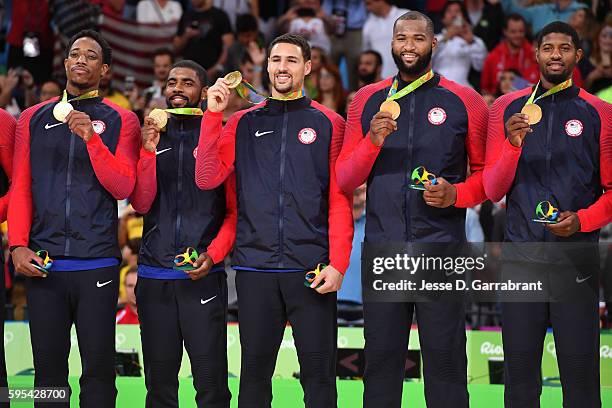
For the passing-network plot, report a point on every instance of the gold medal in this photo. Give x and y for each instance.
(392, 107)
(533, 112)
(160, 117)
(61, 110)
(234, 79)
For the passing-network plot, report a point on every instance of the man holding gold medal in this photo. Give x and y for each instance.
(74, 159)
(411, 138)
(292, 219)
(549, 150)
(182, 288)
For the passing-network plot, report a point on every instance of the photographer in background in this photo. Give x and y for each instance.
(17, 91)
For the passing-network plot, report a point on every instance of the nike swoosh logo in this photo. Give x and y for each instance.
(98, 284)
(48, 126)
(578, 280)
(158, 152)
(202, 301)
(259, 134)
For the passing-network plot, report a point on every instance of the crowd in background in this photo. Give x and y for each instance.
(486, 44)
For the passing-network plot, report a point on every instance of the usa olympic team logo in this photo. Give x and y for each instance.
(436, 116)
(307, 135)
(98, 126)
(574, 128)
(195, 153)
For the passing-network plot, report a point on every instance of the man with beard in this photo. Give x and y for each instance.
(441, 126)
(369, 68)
(292, 218)
(190, 306)
(556, 145)
(74, 158)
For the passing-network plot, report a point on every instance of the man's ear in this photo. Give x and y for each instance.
(203, 93)
(307, 67)
(105, 69)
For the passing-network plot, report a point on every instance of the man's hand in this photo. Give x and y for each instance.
(203, 265)
(22, 256)
(467, 33)
(80, 124)
(381, 126)
(452, 31)
(517, 128)
(150, 135)
(568, 224)
(440, 195)
(332, 278)
(218, 96)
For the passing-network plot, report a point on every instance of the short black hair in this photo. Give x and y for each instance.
(164, 51)
(197, 68)
(294, 39)
(416, 16)
(514, 17)
(246, 23)
(107, 51)
(561, 28)
(376, 55)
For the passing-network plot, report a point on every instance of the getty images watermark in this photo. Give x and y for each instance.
(400, 272)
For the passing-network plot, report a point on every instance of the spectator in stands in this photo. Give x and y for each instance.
(378, 31)
(247, 41)
(48, 90)
(369, 68)
(108, 91)
(30, 38)
(235, 8)
(597, 69)
(348, 17)
(158, 11)
(162, 62)
(308, 19)
(311, 83)
(17, 91)
(458, 49)
(331, 93)
(204, 35)
(540, 15)
(485, 16)
(513, 52)
(129, 313)
(583, 21)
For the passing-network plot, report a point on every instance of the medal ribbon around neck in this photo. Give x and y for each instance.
(532, 110)
(390, 105)
(63, 107)
(160, 116)
(248, 92)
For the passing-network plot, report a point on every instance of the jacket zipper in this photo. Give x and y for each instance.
(68, 189)
(549, 154)
(408, 193)
(282, 192)
(179, 190)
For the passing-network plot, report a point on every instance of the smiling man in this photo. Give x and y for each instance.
(74, 159)
(188, 307)
(558, 150)
(442, 127)
(291, 217)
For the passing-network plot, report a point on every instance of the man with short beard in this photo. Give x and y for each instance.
(292, 218)
(188, 307)
(556, 145)
(441, 126)
(369, 68)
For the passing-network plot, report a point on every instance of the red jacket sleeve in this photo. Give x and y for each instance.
(471, 192)
(224, 241)
(20, 204)
(502, 157)
(117, 173)
(7, 145)
(216, 149)
(340, 216)
(599, 214)
(358, 153)
(145, 189)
